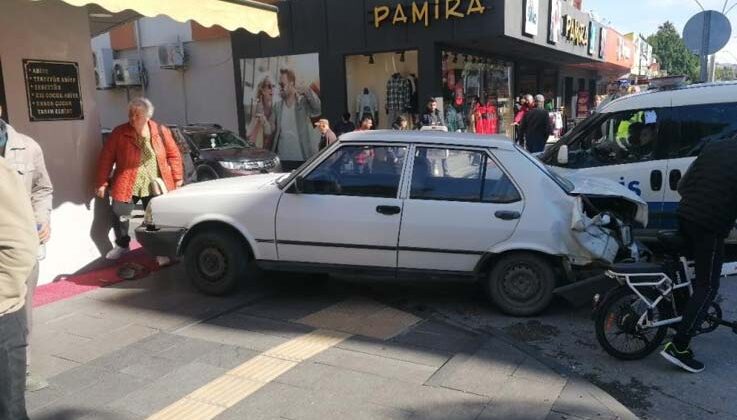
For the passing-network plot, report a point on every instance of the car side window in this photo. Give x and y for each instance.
(498, 188)
(459, 175)
(699, 124)
(367, 171)
(619, 138)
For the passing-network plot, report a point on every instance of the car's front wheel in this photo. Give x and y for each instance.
(216, 261)
(521, 284)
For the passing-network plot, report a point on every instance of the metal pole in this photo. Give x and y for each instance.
(704, 47)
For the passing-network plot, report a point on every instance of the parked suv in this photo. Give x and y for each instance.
(218, 153)
(403, 205)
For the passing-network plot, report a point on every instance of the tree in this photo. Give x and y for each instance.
(672, 53)
(725, 72)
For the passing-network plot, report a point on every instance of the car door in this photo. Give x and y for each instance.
(629, 147)
(696, 126)
(348, 210)
(460, 202)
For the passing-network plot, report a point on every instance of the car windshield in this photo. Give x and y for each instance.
(562, 181)
(549, 155)
(218, 140)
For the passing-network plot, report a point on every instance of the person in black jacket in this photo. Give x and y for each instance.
(536, 126)
(707, 213)
(432, 115)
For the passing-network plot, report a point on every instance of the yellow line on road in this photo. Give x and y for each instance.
(335, 324)
(226, 391)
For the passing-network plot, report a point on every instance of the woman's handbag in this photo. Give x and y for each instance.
(157, 187)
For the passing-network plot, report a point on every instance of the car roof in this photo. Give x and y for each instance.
(697, 94)
(429, 137)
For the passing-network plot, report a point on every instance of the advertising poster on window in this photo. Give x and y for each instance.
(532, 12)
(593, 38)
(555, 27)
(281, 102)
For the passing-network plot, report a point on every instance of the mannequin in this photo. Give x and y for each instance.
(367, 104)
(455, 114)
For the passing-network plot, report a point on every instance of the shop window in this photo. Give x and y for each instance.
(477, 94)
(382, 86)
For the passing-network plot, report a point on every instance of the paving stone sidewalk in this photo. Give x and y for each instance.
(129, 350)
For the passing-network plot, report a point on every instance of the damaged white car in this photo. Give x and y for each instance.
(403, 205)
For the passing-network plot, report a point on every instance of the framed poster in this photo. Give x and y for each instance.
(555, 26)
(3, 99)
(53, 90)
(532, 14)
(593, 38)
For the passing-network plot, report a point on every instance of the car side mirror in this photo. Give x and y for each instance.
(563, 155)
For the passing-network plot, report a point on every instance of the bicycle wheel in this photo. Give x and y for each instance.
(617, 330)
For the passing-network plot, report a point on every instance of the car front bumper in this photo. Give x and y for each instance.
(160, 241)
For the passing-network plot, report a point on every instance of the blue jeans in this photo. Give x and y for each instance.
(13, 365)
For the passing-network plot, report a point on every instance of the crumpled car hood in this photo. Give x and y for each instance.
(594, 186)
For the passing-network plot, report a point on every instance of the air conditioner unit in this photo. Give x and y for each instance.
(127, 72)
(103, 68)
(171, 56)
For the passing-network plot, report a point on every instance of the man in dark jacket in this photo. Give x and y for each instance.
(536, 127)
(707, 213)
(432, 115)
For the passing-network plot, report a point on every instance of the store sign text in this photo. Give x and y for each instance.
(575, 31)
(426, 11)
(53, 90)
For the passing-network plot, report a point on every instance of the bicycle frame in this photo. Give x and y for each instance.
(663, 284)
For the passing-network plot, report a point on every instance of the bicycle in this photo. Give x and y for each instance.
(632, 320)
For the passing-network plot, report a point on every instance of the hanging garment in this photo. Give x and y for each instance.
(397, 93)
(455, 118)
(366, 103)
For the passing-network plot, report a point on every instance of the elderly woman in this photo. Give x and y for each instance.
(141, 151)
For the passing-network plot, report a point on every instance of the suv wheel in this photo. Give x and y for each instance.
(216, 262)
(521, 284)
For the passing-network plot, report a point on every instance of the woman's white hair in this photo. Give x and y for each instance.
(144, 103)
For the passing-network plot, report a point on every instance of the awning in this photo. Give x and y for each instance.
(250, 15)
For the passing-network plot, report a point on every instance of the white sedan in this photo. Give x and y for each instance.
(403, 204)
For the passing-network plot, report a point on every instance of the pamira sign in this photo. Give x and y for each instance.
(425, 12)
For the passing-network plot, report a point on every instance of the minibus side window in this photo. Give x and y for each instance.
(699, 124)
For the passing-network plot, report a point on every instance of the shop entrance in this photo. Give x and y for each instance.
(383, 86)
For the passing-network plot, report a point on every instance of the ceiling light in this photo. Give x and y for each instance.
(401, 57)
(371, 59)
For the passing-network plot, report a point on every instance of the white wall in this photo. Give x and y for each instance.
(203, 92)
(56, 31)
(163, 30)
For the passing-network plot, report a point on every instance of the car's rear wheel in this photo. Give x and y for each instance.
(216, 262)
(521, 284)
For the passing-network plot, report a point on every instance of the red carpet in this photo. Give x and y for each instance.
(66, 286)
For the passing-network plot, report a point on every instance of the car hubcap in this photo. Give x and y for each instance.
(521, 283)
(212, 263)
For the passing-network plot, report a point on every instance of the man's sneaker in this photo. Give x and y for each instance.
(35, 383)
(116, 253)
(682, 359)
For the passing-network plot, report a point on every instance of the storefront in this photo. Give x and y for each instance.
(47, 91)
(385, 58)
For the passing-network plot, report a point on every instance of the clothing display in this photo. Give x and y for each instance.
(455, 118)
(486, 119)
(413, 99)
(397, 94)
(367, 104)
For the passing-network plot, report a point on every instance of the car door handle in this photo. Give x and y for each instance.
(674, 178)
(388, 210)
(507, 215)
(656, 180)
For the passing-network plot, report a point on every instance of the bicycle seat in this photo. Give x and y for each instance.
(637, 268)
(673, 242)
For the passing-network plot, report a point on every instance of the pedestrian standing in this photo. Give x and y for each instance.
(345, 125)
(144, 155)
(432, 116)
(18, 253)
(24, 155)
(536, 126)
(400, 123)
(327, 137)
(525, 106)
(366, 123)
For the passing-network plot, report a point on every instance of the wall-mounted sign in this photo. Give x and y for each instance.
(532, 15)
(575, 31)
(426, 11)
(602, 42)
(594, 30)
(53, 90)
(554, 26)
